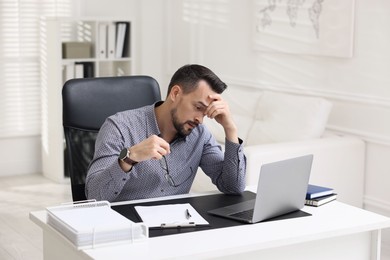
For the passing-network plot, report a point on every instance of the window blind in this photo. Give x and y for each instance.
(20, 96)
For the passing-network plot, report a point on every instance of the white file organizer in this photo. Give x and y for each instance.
(92, 224)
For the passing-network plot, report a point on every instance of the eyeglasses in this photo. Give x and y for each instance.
(168, 177)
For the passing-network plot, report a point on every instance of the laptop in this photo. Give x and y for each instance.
(281, 189)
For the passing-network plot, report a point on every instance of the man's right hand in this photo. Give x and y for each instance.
(154, 147)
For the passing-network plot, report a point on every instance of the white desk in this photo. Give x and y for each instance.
(334, 231)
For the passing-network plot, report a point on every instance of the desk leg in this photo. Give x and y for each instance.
(376, 237)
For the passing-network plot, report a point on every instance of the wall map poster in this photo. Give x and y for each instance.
(313, 27)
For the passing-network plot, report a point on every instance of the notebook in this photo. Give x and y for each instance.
(281, 189)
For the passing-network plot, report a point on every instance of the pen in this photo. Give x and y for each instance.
(188, 215)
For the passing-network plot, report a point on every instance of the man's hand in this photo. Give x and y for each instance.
(153, 147)
(218, 109)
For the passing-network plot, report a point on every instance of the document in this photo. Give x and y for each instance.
(170, 216)
(88, 225)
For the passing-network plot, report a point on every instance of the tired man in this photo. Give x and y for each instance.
(156, 150)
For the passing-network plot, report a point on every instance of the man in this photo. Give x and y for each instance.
(156, 150)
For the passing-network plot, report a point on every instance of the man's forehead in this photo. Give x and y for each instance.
(203, 100)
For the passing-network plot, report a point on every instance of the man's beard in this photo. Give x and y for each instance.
(181, 131)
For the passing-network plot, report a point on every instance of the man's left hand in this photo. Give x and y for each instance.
(219, 110)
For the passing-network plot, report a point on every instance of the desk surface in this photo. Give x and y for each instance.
(330, 220)
(202, 204)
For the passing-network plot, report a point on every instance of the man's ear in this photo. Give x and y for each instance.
(176, 91)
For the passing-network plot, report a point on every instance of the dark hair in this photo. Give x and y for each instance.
(188, 77)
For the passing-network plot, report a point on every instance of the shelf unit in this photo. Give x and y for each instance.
(54, 32)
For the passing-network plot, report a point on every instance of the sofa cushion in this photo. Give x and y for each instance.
(284, 117)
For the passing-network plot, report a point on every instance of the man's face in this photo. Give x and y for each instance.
(190, 109)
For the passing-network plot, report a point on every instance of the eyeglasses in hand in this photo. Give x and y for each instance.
(168, 177)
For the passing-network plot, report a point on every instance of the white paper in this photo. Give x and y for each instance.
(91, 224)
(171, 214)
(87, 219)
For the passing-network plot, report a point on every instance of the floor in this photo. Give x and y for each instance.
(19, 237)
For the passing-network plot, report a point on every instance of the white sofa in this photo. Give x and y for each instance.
(277, 126)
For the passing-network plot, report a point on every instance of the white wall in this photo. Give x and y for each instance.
(20, 155)
(171, 33)
(359, 86)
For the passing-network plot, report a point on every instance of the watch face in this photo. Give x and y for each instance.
(123, 154)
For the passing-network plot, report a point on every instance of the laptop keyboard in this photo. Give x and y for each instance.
(247, 214)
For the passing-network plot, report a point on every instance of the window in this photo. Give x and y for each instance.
(20, 102)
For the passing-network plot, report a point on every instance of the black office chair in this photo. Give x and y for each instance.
(86, 104)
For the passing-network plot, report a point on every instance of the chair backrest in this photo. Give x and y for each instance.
(86, 105)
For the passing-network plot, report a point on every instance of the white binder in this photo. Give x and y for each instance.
(111, 41)
(92, 224)
(102, 41)
(69, 71)
(78, 71)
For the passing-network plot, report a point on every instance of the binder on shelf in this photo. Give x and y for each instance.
(78, 70)
(111, 41)
(88, 69)
(122, 30)
(69, 71)
(102, 41)
(126, 45)
(92, 224)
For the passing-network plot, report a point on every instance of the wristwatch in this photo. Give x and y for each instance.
(125, 156)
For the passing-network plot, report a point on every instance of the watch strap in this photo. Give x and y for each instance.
(125, 157)
(129, 161)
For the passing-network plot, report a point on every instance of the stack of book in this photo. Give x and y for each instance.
(319, 195)
(88, 225)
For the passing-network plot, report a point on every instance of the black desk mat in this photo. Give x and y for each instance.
(202, 204)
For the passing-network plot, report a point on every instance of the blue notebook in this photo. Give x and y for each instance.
(314, 191)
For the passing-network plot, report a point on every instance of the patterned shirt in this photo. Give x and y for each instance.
(107, 181)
